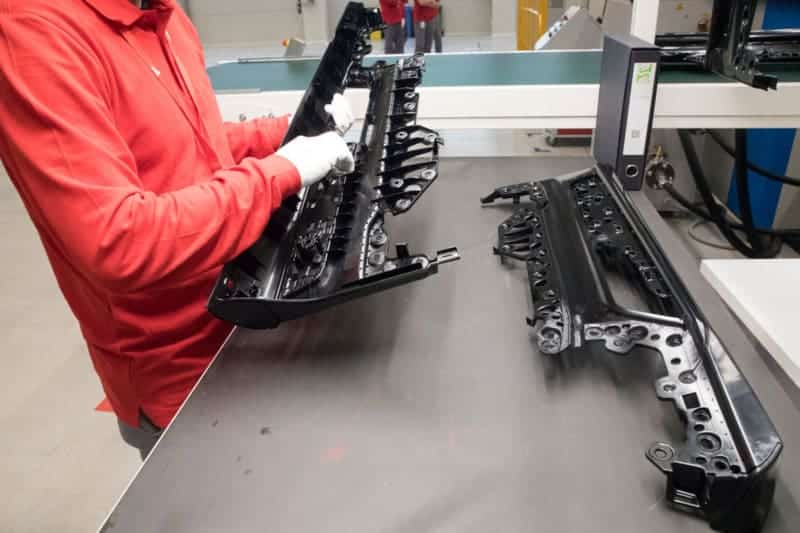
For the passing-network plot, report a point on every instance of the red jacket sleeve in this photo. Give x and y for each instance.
(78, 177)
(256, 138)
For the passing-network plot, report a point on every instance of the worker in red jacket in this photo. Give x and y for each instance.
(394, 15)
(427, 26)
(111, 133)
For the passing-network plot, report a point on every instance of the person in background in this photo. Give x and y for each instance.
(394, 15)
(438, 30)
(427, 26)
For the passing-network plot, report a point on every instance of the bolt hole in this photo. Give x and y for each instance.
(637, 333)
(720, 465)
(709, 442)
(655, 337)
(735, 469)
(675, 340)
(702, 415)
(669, 387)
(699, 427)
(675, 360)
(701, 460)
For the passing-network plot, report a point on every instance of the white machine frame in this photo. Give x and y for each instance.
(678, 105)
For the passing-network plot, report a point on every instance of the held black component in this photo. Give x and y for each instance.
(572, 234)
(730, 48)
(331, 245)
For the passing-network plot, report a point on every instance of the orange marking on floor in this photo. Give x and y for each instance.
(334, 455)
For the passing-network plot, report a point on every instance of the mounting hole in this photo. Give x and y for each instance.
(719, 464)
(675, 361)
(594, 332)
(709, 442)
(701, 460)
(631, 171)
(661, 452)
(669, 387)
(551, 334)
(638, 333)
(675, 340)
(428, 174)
(613, 330)
(702, 414)
(699, 427)
(655, 337)
(735, 469)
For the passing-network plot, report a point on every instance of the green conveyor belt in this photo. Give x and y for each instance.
(457, 70)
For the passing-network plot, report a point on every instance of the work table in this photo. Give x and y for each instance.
(428, 408)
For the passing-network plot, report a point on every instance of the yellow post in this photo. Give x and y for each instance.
(531, 22)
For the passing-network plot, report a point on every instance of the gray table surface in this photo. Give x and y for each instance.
(427, 408)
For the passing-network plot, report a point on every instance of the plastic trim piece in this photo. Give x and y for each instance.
(573, 232)
(330, 245)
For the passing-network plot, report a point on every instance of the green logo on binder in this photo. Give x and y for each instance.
(644, 72)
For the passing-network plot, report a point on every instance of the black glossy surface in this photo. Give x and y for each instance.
(328, 245)
(428, 409)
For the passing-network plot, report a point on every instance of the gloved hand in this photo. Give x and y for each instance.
(342, 113)
(316, 157)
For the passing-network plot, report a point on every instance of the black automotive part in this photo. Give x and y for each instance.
(572, 232)
(730, 48)
(330, 244)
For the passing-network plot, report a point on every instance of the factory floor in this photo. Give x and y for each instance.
(62, 463)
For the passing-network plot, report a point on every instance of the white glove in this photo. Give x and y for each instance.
(316, 157)
(342, 114)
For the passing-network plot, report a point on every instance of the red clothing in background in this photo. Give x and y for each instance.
(111, 133)
(424, 13)
(393, 11)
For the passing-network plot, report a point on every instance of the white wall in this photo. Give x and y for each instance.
(462, 17)
(467, 17)
(236, 22)
(257, 22)
(315, 21)
(504, 17)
